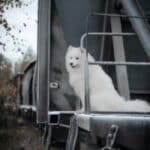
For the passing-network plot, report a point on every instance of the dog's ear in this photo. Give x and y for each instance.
(82, 50)
(70, 47)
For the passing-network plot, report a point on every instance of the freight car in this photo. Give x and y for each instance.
(117, 34)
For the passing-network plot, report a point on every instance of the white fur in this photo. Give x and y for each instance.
(103, 95)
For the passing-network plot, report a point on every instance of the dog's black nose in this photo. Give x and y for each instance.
(71, 64)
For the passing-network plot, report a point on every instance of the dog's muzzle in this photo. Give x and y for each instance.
(73, 66)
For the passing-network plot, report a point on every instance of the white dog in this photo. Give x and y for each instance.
(103, 95)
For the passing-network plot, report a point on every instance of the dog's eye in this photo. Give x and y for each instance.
(77, 58)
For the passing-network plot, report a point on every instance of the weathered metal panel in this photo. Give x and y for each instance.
(73, 16)
(67, 27)
(44, 36)
(133, 133)
(68, 21)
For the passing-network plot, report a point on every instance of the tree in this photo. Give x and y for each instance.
(5, 69)
(5, 76)
(4, 6)
(28, 57)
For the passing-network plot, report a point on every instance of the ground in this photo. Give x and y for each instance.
(18, 134)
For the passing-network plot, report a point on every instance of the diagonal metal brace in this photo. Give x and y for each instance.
(111, 137)
(119, 54)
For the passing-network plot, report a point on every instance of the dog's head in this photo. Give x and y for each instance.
(74, 58)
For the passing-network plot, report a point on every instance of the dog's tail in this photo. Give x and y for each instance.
(137, 106)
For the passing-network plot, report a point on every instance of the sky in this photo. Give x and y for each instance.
(16, 17)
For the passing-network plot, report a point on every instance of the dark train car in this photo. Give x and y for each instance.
(27, 103)
(117, 34)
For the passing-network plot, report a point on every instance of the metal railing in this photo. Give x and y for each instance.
(86, 69)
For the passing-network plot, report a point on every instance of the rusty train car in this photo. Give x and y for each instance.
(117, 34)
